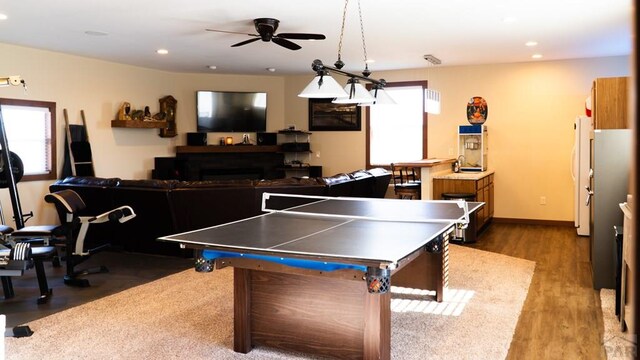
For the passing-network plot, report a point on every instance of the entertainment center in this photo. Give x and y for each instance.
(214, 162)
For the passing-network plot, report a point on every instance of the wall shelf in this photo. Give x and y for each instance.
(139, 124)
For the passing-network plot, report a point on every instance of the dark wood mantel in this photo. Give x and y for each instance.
(230, 162)
(227, 149)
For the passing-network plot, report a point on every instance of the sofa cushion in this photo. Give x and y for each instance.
(382, 178)
(154, 184)
(88, 180)
(364, 184)
(213, 183)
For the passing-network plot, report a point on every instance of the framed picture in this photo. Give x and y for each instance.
(327, 116)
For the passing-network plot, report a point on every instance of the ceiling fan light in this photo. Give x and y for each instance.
(323, 86)
(357, 94)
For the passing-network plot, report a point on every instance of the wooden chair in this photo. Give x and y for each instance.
(406, 182)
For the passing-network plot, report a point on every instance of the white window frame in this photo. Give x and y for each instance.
(31, 125)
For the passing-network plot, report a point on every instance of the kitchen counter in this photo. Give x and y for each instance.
(428, 169)
(464, 175)
(426, 162)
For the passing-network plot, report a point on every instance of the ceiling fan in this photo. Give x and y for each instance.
(266, 28)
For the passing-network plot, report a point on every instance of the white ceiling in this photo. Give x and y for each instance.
(398, 33)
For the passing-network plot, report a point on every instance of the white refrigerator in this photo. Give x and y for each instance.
(580, 168)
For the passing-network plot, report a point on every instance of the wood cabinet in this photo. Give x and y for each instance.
(482, 187)
(609, 103)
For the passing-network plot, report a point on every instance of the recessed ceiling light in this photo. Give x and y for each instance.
(536, 56)
(3, 17)
(212, 67)
(271, 69)
(509, 19)
(162, 51)
(95, 33)
(531, 43)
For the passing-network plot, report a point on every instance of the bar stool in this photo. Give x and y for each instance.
(406, 184)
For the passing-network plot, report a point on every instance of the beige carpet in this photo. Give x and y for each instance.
(188, 315)
(617, 344)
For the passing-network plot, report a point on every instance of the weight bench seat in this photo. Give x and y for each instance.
(35, 231)
(38, 255)
(5, 230)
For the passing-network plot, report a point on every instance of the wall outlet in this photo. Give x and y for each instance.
(543, 200)
(450, 151)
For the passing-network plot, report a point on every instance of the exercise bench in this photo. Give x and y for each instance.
(72, 231)
(20, 257)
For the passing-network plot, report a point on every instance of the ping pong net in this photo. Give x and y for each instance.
(434, 211)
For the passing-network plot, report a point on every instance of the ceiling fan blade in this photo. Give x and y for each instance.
(286, 43)
(245, 42)
(232, 32)
(301, 36)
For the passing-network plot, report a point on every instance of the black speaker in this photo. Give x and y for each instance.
(196, 139)
(267, 138)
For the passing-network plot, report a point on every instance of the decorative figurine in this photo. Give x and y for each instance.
(125, 111)
(147, 114)
(137, 115)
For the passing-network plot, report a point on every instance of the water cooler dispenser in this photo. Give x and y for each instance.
(472, 147)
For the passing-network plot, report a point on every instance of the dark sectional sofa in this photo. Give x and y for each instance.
(166, 207)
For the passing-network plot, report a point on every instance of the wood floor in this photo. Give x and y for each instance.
(561, 318)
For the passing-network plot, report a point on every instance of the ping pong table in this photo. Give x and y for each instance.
(313, 274)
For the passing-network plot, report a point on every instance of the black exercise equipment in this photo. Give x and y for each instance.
(72, 231)
(15, 260)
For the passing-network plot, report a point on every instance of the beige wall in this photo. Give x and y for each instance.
(531, 112)
(532, 107)
(98, 88)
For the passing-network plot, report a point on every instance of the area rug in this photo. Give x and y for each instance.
(189, 315)
(618, 345)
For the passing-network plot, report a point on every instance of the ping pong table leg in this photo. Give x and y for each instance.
(241, 310)
(377, 326)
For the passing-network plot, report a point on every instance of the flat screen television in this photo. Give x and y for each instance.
(225, 111)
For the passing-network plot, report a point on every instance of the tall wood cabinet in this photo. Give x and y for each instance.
(609, 103)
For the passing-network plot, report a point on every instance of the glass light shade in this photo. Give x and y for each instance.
(324, 86)
(358, 94)
(432, 101)
(381, 98)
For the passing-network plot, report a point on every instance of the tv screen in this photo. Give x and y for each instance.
(221, 111)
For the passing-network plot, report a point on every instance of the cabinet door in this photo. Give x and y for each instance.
(441, 186)
(609, 103)
(490, 200)
(482, 213)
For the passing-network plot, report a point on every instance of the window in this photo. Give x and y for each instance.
(398, 132)
(30, 132)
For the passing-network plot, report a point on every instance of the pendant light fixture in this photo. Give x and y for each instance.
(324, 86)
(431, 96)
(357, 94)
